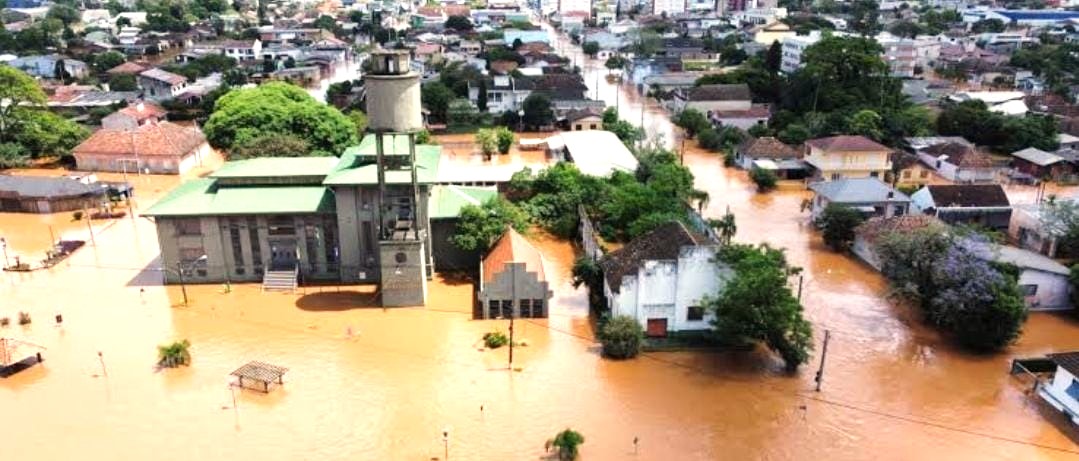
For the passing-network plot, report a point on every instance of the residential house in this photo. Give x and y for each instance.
(1042, 164)
(512, 280)
(161, 85)
(846, 157)
(714, 98)
(869, 196)
(686, 49)
(153, 147)
(32, 194)
(668, 7)
(983, 205)
(560, 86)
(661, 278)
(909, 171)
(526, 36)
(869, 233)
(1028, 229)
(959, 162)
(900, 55)
(770, 33)
(128, 68)
(1062, 390)
(586, 119)
(504, 93)
(45, 66)
(1043, 282)
(240, 50)
(273, 34)
(134, 116)
(770, 153)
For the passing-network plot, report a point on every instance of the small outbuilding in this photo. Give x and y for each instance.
(770, 153)
(512, 280)
(34, 194)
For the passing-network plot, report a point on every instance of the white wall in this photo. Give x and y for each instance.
(698, 276)
(1059, 387)
(1052, 289)
(666, 289)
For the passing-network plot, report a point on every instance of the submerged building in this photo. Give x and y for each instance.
(361, 218)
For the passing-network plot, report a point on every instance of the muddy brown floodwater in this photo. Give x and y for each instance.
(367, 383)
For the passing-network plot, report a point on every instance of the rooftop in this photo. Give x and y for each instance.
(735, 92)
(858, 190)
(276, 166)
(44, 187)
(959, 154)
(1023, 259)
(968, 195)
(847, 143)
(1069, 361)
(164, 76)
(1037, 156)
(512, 247)
(357, 164)
(596, 152)
(152, 139)
(447, 201)
(202, 197)
(767, 147)
(662, 243)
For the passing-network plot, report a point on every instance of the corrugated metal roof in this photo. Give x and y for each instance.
(201, 197)
(276, 166)
(447, 201)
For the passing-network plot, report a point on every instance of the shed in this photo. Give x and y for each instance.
(33, 194)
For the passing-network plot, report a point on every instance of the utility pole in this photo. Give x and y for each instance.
(101, 358)
(183, 287)
(513, 306)
(823, 355)
(800, 279)
(86, 214)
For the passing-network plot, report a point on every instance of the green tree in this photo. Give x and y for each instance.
(906, 28)
(725, 227)
(458, 23)
(764, 179)
(866, 123)
(837, 223)
(436, 97)
(774, 57)
(988, 25)
(795, 134)
(65, 14)
(865, 17)
(13, 156)
(359, 119)
(108, 60)
(622, 337)
(567, 442)
(1073, 274)
(505, 139)
(123, 82)
(756, 304)
(693, 121)
(325, 22)
(590, 49)
(481, 97)
(478, 227)
(20, 93)
(461, 113)
(615, 62)
(537, 111)
(270, 145)
(277, 107)
(175, 354)
(487, 141)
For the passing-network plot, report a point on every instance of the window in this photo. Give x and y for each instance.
(240, 271)
(874, 174)
(237, 247)
(190, 255)
(923, 174)
(189, 226)
(1028, 289)
(836, 176)
(507, 308)
(492, 309)
(1073, 390)
(526, 308)
(906, 174)
(282, 225)
(695, 313)
(537, 308)
(256, 248)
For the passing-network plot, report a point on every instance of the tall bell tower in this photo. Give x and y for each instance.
(394, 118)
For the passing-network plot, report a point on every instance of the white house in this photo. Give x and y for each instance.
(504, 93)
(793, 47)
(660, 279)
(1042, 281)
(959, 161)
(1062, 392)
(1002, 102)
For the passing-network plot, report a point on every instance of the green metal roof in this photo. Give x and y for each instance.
(447, 201)
(276, 167)
(357, 164)
(201, 198)
(190, 198)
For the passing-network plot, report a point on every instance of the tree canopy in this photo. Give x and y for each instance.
(478, 227)
(756, 304)
(1001, 133)
(245, 114)
(26, 122)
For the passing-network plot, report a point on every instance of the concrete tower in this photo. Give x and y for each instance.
(393, 112)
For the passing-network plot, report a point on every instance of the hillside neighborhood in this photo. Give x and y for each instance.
(616, 229)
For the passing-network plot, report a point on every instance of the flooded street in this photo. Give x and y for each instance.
(367, 383)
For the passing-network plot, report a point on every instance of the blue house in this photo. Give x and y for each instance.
(526, 36)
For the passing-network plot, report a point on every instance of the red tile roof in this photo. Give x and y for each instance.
(162, 139)
(847, 143)
(512, 247)
(874, 228)
(143, 111)
(132, 68)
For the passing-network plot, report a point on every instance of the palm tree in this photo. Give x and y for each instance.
(566, 442)
(175, 354)
(701, 197)
(725, 226)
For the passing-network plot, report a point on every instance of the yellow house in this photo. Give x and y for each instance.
(846, 157)
(772, 32)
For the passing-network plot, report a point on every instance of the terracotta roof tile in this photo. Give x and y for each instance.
(719, 92)
(968, 195)
(768, 147)
(129, 67)
(512, 247)
(663, 243)
(154, 139)
(847, 143)
(874, 228)
(963, 155)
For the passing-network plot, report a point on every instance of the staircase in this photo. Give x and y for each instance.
(280, 280)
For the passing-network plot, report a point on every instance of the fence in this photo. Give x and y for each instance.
(589, 242)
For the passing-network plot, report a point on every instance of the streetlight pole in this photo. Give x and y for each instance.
(183, 287)
(445, 444)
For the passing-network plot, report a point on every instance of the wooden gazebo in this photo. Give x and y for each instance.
(254, 373)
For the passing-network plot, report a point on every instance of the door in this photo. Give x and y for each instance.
(656, 327)
(282, 255)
